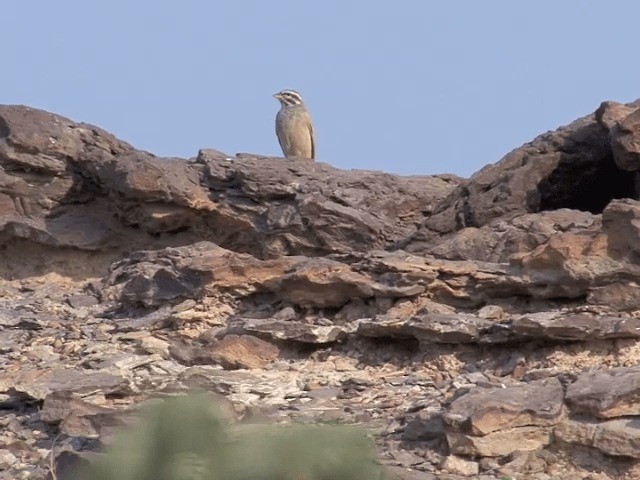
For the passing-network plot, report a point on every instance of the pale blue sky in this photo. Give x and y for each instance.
(412, 87)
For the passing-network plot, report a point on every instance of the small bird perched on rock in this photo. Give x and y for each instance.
(293, 126)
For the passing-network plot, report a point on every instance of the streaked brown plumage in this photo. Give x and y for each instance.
(293, 126)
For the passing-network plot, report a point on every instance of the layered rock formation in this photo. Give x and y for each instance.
(478, 327)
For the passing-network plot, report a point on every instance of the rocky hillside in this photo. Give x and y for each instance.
(479, 328)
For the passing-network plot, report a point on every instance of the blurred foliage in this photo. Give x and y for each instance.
(184, 438)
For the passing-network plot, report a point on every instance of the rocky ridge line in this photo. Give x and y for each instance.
(478, 327)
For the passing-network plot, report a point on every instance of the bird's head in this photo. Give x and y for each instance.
(289, 98)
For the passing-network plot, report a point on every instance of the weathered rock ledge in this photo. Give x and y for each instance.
(478, 327)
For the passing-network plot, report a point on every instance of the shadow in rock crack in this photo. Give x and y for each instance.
(374, 352)
(584, 185)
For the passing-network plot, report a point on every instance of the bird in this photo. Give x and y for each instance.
(294, 127)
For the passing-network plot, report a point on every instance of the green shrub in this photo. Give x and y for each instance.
(184, 438)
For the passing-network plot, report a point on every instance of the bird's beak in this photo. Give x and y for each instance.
(277, 96)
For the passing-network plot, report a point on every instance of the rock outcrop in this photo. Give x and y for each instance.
(484, 326)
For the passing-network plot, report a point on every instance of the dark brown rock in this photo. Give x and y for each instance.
(622, 296)
(59, 405)
(424, 426)
(500, 239)
(500, 443)
(320, 207)
(467, 328)
(243, 351)
(290, 331)
(460, 466)
(99, 425)
(609, 114)
(606, 393)
(618, 437)
(578, 432)
(153, 277)
(38, 384)
(569, 265)
(69, 184)
(79, 301)
(625, 141)
(482, 411)
(327, 283)
(188, 352)
(428, 328)
(621, 224)
(554, 326)
(572, 167)
(70, 465)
